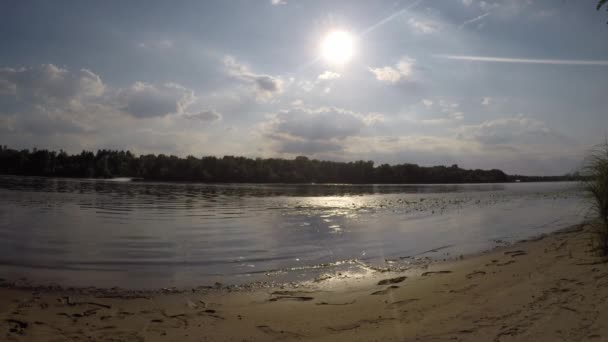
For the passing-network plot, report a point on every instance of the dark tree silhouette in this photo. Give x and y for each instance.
(107, 164)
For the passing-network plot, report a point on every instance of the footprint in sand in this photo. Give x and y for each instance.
(358, 324)
(391, 281)
(475, 274)
(435, 272)
(294, 298)
(385, 291)
(464, 289)
(326, 303)
(505, 263)
(16, 326)
(279, 334)
(123, 336)
(515, 253)
(400, 303)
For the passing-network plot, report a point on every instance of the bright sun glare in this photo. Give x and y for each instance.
(337, 47)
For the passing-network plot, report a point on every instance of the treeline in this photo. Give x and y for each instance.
(108, 164)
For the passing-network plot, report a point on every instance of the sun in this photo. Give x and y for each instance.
(338, 47)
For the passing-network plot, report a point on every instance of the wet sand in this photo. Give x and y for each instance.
(553, 288)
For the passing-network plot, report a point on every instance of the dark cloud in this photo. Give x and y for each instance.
(206, 116)
(265, 86)
(48, 83)
(267, 83)
(311, 131)
(46, 100)
(143, 100)
(320, 124)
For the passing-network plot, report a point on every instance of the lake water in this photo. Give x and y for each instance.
(148, 235)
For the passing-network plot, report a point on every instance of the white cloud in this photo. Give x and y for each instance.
(486, 101)
(484, 5)
(329, 75)
(307, 86)
(386, 74)
(440, 111)
(265, 86)
(278, 2)
(467, 2)
(424, 25)
(402, 71)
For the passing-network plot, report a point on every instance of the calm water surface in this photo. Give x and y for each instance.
(142, 234)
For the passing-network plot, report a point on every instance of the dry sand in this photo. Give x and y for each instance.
(549, 289)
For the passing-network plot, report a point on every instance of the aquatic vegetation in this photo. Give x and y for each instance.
(596, 169)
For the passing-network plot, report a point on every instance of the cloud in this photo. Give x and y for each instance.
(505, 8)
(514, 131)
(144, 100)
(48, 83)
(47, 100)
(58, 108)
(424, 25)
(418, 148)
(329, 75)
(205, 116)
(436, 111)
(7, 87)
(265, 86)
(305, 130)
(44, 122)
(278, 2)
(320, 124)
(486, 101)
(401, 71)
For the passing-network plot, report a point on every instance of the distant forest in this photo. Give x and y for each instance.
(231, 169)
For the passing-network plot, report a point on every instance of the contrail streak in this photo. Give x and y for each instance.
(474, 19)
(389, 18)
(525, 60)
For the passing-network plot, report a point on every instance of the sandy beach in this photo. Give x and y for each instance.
(553, 288)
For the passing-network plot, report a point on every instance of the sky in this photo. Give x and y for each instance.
(518, 85)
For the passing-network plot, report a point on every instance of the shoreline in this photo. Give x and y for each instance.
(549, 288)
(138, 180)
(372, 272)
